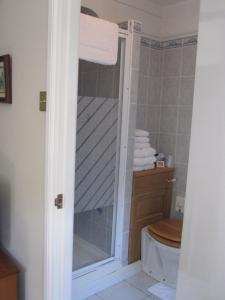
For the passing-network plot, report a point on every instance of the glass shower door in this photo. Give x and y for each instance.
(97, 162)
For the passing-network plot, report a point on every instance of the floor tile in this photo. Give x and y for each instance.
(94, 297)
(122, 291)
(152, 298)
(142, 282)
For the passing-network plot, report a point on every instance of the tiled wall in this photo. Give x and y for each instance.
(165, 97)
(178, 76)
(148, 109)
(96, 80)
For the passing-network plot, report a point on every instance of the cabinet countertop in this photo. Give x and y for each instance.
(152, 172)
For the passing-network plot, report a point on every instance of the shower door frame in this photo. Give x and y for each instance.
(82, 276)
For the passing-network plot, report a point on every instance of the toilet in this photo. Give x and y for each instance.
(160, 250)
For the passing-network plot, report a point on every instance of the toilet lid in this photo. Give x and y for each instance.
(165, 241)
(167, 229)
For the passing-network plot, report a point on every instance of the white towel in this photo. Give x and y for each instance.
(143, 168)
(139, 153)
(142, 139)
(98, 40)
(144, 161)
(142, 145)
(140, 132)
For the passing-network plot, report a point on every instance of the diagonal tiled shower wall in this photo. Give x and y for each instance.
(97, 127)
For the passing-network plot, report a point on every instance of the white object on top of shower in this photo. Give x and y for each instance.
(98, 40)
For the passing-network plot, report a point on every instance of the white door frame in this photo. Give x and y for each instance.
(63, 41)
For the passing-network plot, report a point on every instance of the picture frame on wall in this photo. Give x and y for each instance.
(5, 79)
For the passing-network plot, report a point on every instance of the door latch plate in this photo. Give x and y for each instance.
(59, 201)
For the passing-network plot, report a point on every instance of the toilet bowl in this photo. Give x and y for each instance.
(160, 250)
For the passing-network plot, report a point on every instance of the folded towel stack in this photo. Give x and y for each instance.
(144, 154)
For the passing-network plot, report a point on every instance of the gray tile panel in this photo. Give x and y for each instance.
(165, 95)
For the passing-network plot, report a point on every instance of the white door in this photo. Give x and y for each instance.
(60, 145)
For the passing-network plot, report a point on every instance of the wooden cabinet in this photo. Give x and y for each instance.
(8, 278)
(151, 202)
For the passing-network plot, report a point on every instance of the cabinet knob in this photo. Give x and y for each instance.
(171, 180)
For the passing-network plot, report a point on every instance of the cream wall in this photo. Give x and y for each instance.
(202, 267)
(23, 34)
(180, 19)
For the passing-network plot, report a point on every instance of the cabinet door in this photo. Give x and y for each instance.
(8, 288)
(135, 236)
(151, 202)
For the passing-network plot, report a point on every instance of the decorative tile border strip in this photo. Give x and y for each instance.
(146, 42)
(176, 43)
(135, 26)
(191, 40)
(156, 45)
(123, 25)
(132, 25)
(172, 44)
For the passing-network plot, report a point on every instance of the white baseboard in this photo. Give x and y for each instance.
(93, 287)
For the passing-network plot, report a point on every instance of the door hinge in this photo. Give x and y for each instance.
(59, 201)
(42, 101)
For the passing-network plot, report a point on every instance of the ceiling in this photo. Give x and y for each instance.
(166, 2)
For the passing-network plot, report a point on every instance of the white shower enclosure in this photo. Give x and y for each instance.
(98, 138)
(104, 127)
